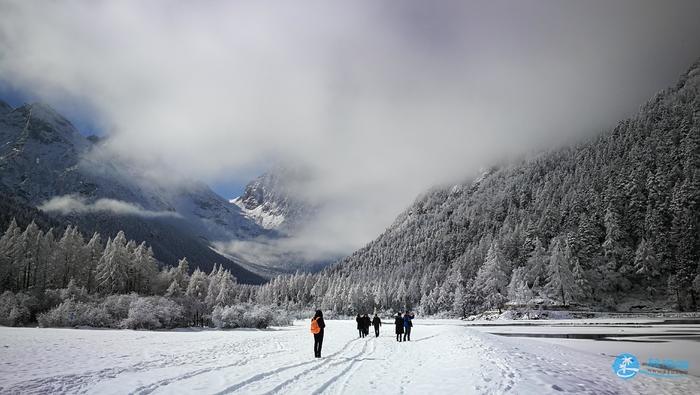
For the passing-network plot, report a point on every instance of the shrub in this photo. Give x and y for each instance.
(248, 316)
(168, 312)
(72, 313)
(141, 315)
(152, 313)
(16, 309)
(117, 306)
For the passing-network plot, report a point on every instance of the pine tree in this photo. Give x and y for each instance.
(561, 283)
(46, 259)
(198, 285)
(536, 263)
(215, 286)
(173, 290)
(459, 305)
(112, 270)
(143, 269)
(492, 279)
(9, 253)
(227, 290)
(645, 263)
(93, 253)
(70, 256)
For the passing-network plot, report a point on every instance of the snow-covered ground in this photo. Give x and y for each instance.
(444, 356)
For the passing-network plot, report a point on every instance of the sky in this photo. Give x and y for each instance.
(380, 100)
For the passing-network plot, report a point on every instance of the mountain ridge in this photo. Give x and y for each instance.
(44, 157)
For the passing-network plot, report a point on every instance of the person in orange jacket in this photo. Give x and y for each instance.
(317, 328)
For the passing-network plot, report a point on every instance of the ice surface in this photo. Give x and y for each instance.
(444, 357)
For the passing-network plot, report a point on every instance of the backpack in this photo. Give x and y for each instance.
(315, 329)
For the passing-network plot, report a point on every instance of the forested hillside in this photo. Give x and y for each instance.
(591, 224)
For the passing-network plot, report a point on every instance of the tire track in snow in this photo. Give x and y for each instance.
(346, 374)
(78, 382)
(147, 389)
(264, 375)
(325, 365)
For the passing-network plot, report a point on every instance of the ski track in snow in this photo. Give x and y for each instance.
(443, 356)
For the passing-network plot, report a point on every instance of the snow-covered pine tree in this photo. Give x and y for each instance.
(227, 289)
(492, 279)
(143, 269)
(536, 266)
(174, 290)
(70, 256)
(198, 285)
(112, 270)
(93, 252)
(561, 284)
(518, 291)
(9, 253)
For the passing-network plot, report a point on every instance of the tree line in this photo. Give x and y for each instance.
(71, 280)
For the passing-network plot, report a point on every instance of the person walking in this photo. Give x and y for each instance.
(398, 323)
(366, 323)
(376, 322)
(360, 324)
(407, 325)
(317, 328)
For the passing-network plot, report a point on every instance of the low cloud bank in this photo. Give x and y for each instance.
(70, 204)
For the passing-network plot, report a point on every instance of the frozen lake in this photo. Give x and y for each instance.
(444, 356)
(645, 338)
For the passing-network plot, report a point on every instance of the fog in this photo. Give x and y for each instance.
(379, 99)
(68, 204)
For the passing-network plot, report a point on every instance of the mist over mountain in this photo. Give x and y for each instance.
(46, 163)
(274, 201)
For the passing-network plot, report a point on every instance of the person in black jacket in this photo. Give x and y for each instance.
(398, 323)
(366, 323)
(318, 337)
(360, 325)
(376, 322)
(407, 325)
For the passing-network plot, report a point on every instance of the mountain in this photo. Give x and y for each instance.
(278, 201)
(611, 223)
(46, 163)
(272, 202)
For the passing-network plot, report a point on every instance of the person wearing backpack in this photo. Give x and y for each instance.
(398, 323)
(317, 328)
(407, 325)
(376, 323)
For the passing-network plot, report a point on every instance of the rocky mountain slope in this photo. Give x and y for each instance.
(270, 200)
(45, 162)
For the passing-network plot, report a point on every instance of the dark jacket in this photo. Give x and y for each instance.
(398, 322)
(407, 320)
(376, 321)
(360, 322)
(366, 322)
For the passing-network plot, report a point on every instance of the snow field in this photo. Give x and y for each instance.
(444, 356)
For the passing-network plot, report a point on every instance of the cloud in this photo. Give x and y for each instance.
(69, 204)
(380, 99)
